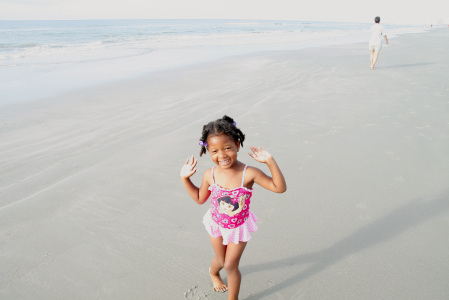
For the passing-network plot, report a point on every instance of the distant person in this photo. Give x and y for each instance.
(375, 41)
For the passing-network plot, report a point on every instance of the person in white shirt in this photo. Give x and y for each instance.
(375, 41)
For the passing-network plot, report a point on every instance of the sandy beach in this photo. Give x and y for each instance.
(92, 207)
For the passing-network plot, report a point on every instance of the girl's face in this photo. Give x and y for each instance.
(223, 150)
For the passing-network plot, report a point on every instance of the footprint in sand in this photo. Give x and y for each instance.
(363, 211)
(397, 182)
(393, 155)
(194, 294)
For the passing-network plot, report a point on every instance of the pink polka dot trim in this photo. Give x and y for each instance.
(236, 235)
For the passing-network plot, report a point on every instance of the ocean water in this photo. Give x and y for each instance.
(40, 59)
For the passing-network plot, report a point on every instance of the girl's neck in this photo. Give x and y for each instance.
(229, 178)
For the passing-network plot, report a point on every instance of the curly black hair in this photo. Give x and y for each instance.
(225, 125)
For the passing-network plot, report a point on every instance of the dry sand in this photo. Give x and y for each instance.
(91, 205)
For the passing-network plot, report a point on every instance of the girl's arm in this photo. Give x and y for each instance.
(201, 194)
(276, 183)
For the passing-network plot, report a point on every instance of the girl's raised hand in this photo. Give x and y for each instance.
(189, 168)
(260, 155)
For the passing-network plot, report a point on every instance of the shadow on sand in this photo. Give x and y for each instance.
(404, 66)
(379, 231)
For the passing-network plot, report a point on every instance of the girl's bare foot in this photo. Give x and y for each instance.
(219, 284)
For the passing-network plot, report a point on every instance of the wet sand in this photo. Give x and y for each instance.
(91, 205)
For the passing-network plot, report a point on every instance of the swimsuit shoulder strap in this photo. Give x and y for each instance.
(213, 178)
(243, 175)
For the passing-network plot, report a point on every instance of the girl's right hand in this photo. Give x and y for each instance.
(189, 168)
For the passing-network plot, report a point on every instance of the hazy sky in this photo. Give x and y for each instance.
(391, 11)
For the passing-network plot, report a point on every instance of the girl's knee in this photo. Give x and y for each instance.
(219, 262)
(231, 266)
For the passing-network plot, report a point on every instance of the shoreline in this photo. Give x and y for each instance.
(91, 205)
(56, 81)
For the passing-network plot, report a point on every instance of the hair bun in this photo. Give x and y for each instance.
(229, 119)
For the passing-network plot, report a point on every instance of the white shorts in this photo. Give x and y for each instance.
(375, 46)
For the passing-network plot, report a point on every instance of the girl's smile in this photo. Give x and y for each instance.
(223, 150)
(224, 162)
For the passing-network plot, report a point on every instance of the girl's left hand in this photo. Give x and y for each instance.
(260, 155)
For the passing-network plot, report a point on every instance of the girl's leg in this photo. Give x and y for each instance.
(218, 264)
(231, 264)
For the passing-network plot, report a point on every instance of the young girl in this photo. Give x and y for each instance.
(229, 221)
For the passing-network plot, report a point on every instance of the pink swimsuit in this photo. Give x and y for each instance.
(229, 215)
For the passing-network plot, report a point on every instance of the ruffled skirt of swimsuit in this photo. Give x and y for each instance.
(235, 235)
